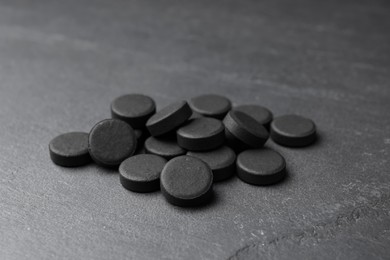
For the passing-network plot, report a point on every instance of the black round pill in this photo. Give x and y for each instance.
(141, 173)
(211, 105)
(221, 161)
(186, 181)
(164, 147)
(111, 141)
(261, 166)
(140, 136)
(169, 118)
(134, 109)
(293, 131)
(70, 149)
(201, 134)
(243, 131)
(259, 113)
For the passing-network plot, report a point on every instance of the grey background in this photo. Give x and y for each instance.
(63, 62)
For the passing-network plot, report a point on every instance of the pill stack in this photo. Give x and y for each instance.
(185, 147)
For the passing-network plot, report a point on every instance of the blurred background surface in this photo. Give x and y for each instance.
(63, 62)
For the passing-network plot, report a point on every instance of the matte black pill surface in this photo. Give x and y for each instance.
(141, 173)
(111, 141)
(293, 131)
(164, 147)
(140, 150)
(211, 105)
(261, 114)
(235, 143)
(70, 149)
(169, 118)
(243, 131)
(201, 134)
(134, 109)
(186, 181)
(140, 136)
(261, 166)
(221, 161)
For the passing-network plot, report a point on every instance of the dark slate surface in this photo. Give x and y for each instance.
(62, 62)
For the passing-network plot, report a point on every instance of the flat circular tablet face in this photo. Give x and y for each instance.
(211, 105)
(141, 173)
(111, 141)
(186, 181)
(169, 118)
(164, 147)
(134, 109)
(293, 130)
(221, 161)
(261, 166)
(244, 130)
(201, 134)
(259, 113)
(70, 149)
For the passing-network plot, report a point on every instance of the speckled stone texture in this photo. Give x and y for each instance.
(63, 62)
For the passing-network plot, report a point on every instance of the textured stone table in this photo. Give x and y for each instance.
(62, 62)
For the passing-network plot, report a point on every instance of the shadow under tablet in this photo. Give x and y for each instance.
(211, 201)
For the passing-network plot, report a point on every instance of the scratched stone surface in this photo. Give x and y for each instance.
(63, 62)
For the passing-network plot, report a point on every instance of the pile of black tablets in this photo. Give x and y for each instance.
(185, 147)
